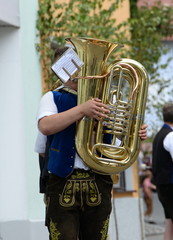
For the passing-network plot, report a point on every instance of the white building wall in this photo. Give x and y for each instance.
(126, 221)
(9, 12)
(12, 161)
(31, 77)
(20, 93)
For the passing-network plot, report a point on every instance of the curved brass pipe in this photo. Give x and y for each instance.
(97, 80)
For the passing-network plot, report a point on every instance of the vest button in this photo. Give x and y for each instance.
(71, 156)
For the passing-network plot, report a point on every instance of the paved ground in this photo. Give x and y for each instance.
(155, 231)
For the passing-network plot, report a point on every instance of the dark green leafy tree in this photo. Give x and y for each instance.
(141, 35)
(149, 27)
(85, 18)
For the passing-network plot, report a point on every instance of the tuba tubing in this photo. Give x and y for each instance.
(111, 145)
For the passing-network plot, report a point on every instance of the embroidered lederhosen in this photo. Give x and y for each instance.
(84, 184)
(79, 206)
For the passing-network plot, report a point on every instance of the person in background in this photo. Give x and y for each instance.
(162, 166)
(148, 188)
(76, 196)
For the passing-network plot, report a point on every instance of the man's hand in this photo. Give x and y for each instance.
(94, 108)
(143, 132)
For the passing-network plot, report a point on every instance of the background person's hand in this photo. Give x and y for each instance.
(143, 132)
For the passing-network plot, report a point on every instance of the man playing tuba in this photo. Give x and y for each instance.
(76, 196)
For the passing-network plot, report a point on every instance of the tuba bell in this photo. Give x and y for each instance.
(111, 145)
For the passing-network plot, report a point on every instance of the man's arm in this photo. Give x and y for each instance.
(168, 143)
(57, 122)
(50, 122)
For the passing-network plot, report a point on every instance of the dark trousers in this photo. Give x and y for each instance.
(79, 206)
(165, 195)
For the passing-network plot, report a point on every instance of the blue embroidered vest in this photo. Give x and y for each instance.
(62, 144)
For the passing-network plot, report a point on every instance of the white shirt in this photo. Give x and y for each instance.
(40, 144)
(48, 107)
(168, 143)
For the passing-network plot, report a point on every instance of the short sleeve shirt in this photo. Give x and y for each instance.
(48, 107)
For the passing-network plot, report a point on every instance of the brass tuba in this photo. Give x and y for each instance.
(122, 85)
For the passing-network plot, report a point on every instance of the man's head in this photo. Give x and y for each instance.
(58, 52)
(168, 113)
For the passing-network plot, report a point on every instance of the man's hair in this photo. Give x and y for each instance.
(59, 52)
(168, 112)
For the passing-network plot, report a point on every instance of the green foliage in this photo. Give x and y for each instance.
(86, 18)
(89, 18)
(149, 26)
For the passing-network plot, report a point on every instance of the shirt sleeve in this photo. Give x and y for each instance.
(47, 106)
(168, 143)
(40, 144)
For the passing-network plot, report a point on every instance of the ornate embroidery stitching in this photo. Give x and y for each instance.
(67, 198)
(104, 231)
(53, 231)
(93, 197)
(80, 183)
